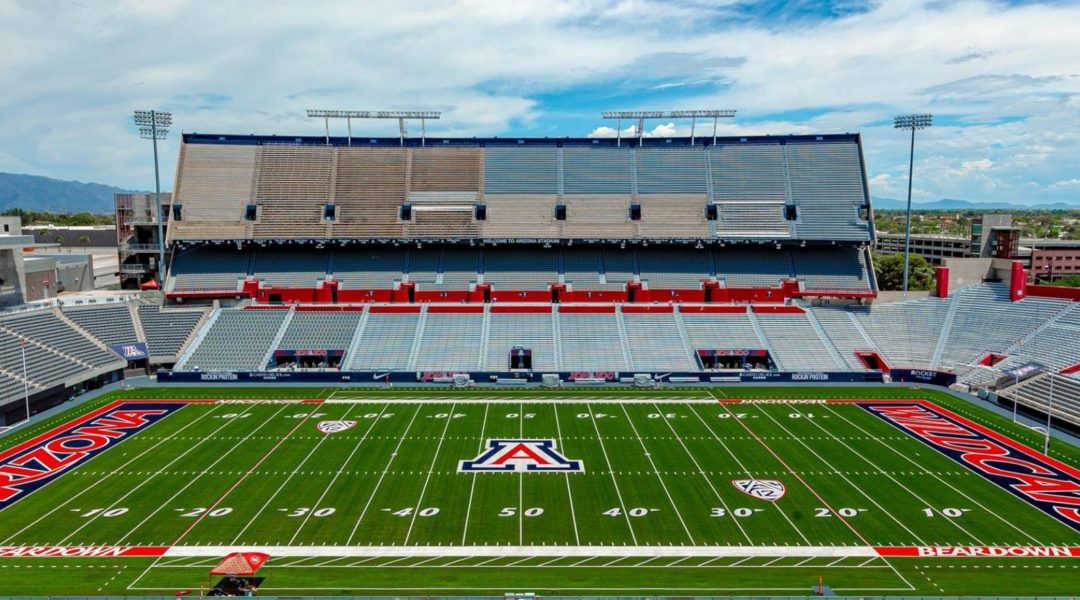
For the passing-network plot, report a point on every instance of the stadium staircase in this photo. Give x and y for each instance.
(825, 339)
(276, 343)
(943, 337)
(764, 338)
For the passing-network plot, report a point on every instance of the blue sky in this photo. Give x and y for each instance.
(1002, 79)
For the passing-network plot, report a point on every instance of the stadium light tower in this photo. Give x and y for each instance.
(401, 115)
(154, 125)
(641, 115)
(912, 122)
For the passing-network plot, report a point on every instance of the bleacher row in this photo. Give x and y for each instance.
(749, 180)
(927, 333)
(515, 267)
(65, 345)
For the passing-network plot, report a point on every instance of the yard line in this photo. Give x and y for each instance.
(472, 486)
(106, 477)
(743, 468)
(573, 517)
(225, 423)
(250, 470)
(521, 480)
(703, 476)
(855, 487)
(880, 470)
(938, 477)
(431, 469)
(231, 488)
(289, 478)
(797, 476)
(656, 471)
(386, 469)
(614, 482)
(333, 480)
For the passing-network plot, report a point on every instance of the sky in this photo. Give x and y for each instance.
(1002, 79)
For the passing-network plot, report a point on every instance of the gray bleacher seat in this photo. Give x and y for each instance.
(167, 330)
(208, 268)
(320, 330)
(110, 323)
(45, 326)
(450, 342)
(386, 343)
(529, 330)
(238, 340)
(676, 267)
(521, 268)
(656, 344)
(591, 342)
(368, 268)
(796, 344)
(292, 267)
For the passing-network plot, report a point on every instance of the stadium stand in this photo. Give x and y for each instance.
(208, 268)
(168, 331)
(235, 340)
(1037, 391)
(112, 323)
(386, 344)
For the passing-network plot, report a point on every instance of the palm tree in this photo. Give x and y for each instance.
(84, 240)
(59, 240)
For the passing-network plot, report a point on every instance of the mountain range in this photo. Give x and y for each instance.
(32, 192)
(951, 204)
(44, 194)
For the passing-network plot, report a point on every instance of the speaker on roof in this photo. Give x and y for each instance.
(480, 211)
(711, 212)
(405, 214)
(560, 212)
(635, 212)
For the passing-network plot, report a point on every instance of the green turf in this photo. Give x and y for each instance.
(657, 474)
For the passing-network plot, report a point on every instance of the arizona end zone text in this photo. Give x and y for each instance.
(36, 462)
(1041, 481)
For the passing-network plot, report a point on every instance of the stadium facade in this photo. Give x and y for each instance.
(510, 261)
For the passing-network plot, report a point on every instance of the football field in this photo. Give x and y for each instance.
(726, 491)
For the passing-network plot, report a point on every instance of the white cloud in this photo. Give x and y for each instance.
(1002, 80)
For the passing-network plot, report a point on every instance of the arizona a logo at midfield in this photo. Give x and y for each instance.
(504, 456)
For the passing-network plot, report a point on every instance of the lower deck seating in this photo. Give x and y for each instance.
(208, 268)
(167, 330)
(110, 323)
(237, 340)
(528, 330)
(1037, 392)
(386, 343)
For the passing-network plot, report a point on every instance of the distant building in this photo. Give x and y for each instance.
(992, 236)
(137, 236)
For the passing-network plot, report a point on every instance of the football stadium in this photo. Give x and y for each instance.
(458, 366)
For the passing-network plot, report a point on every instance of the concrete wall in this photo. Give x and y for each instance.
(13, 274)
(99, 237)
(969, 271)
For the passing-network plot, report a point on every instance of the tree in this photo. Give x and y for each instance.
(44, 233)
(59, 240)
(84, 240)
(1068, 281)
(889, 269)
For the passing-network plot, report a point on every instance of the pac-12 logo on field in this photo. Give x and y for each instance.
(526, 456)
(762, 489)
(335, 426)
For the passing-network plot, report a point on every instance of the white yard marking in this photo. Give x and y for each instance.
(431, 469)
(656, 471)
(106, 477)
(708, 481)
(569, 494)
(862, 456)
(554, 552)
(939, 478)
(341, 469)
(192, 481)
(852, 484)
(472, 486)
(277, 491)
(743, 468)
(385, 470)
(527, 400)
(622, 505)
